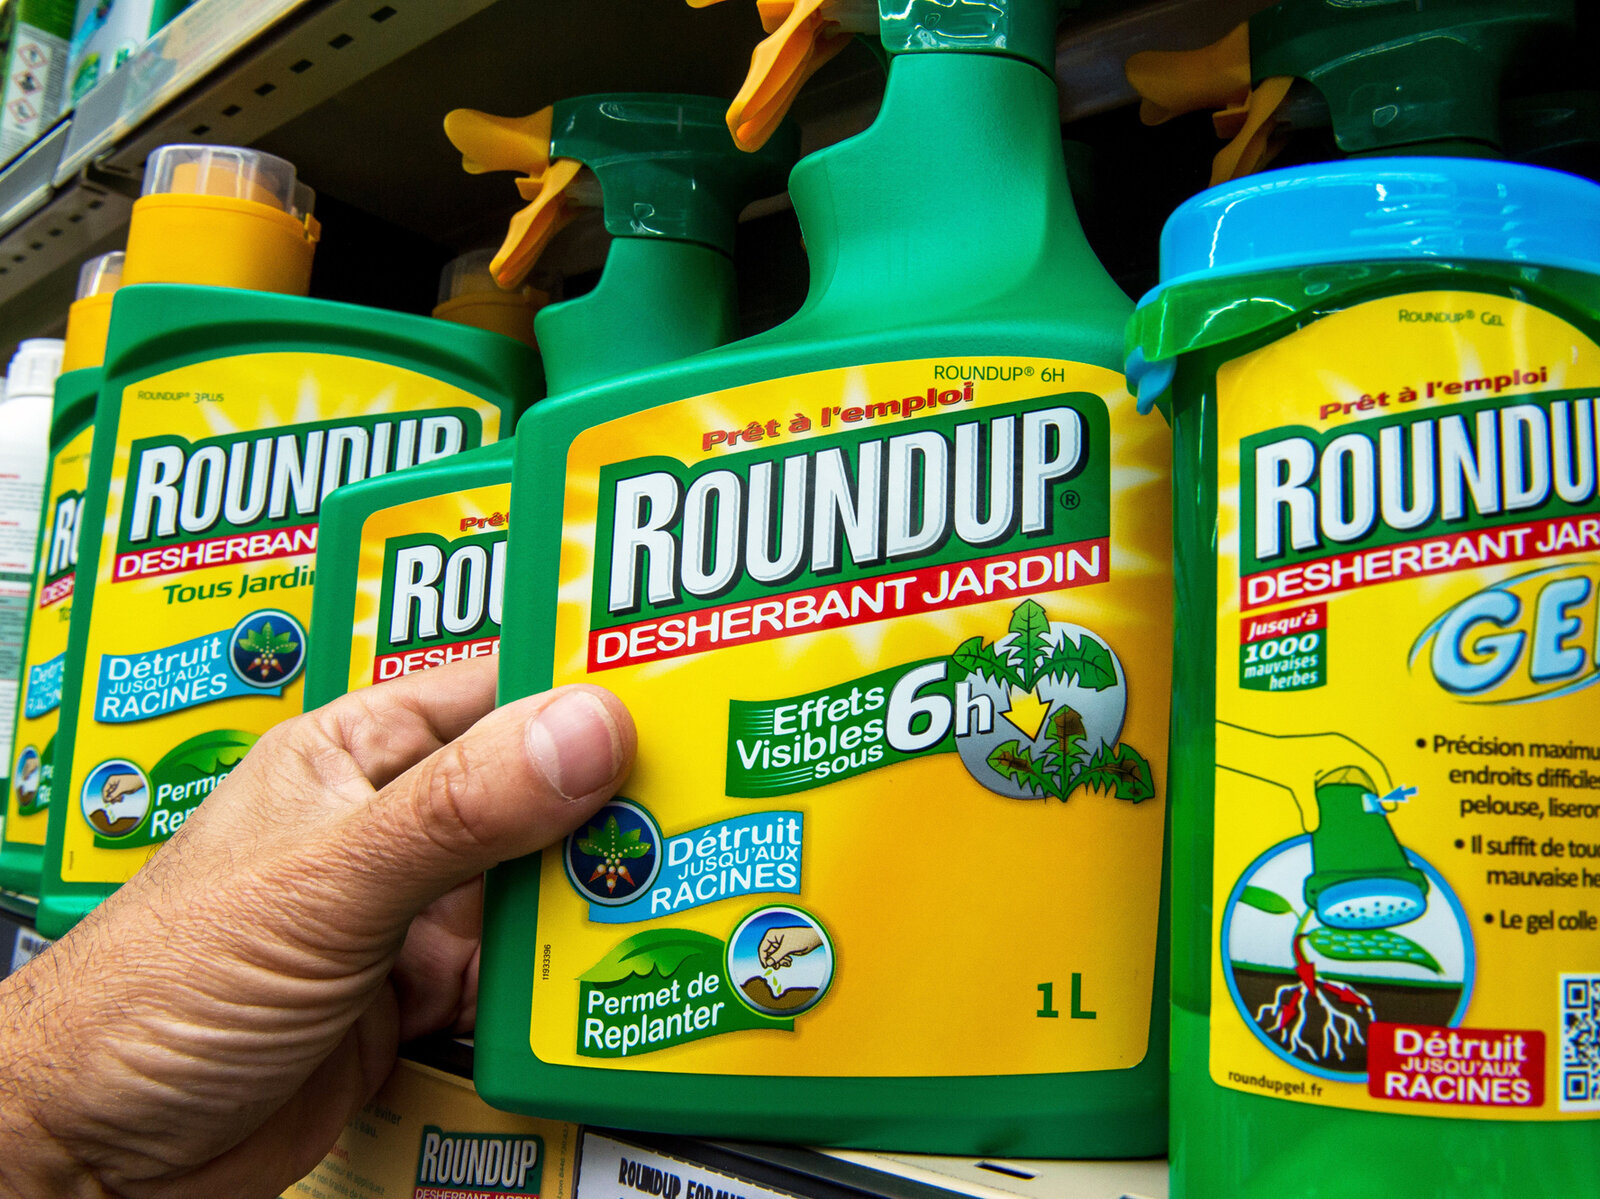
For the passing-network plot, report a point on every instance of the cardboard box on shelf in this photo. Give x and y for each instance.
(427, 1135)
(34, 36)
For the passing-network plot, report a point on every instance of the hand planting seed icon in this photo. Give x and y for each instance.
(115, 798)
(120, 786)
(781, 946)
(27, 777)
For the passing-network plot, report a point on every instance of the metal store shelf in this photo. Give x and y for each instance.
(352, 92)
(766, 1171)
(223, 71)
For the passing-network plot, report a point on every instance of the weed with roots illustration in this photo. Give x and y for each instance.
(1317, 1018)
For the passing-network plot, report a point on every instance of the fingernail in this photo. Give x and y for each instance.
(575, 745)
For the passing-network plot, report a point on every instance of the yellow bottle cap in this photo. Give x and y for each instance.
(89, 318)
(1173, 82)
(469, 295)
(802, 36)
(222, 216)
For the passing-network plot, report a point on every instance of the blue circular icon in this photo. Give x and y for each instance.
(1309, 988)
(780, 960)
(267, 649)
(616, 855)
(115, 798)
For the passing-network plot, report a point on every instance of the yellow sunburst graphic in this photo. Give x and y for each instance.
(681, 708)
(263, 394)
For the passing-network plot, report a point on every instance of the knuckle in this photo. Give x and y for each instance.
(444, 799)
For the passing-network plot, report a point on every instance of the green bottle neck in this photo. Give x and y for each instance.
(657, 301)
(954, 203)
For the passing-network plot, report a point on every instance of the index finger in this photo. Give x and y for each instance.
(389, 727)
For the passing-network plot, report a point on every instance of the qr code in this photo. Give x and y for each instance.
(1580, 1042)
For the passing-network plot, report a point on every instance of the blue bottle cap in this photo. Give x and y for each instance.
(1373, 210)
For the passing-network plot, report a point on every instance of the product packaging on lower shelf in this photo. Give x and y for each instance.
(33, 51)
(427, 1134)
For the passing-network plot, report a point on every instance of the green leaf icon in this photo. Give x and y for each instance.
(1014, 761)
(1031, 626)
(611, 841)
(1085, 659)
(662, 950)
(974, 656)
(207, 753)
(1266, 901)
(1123, 771)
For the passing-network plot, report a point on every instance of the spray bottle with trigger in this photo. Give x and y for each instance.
(1390, 74)
(1417, 308)
(671, 185)
(886, 586)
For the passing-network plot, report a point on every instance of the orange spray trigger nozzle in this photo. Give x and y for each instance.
(802, 35)
(552, 209)
(520, 144)
(1173, 82)
(490, 143)
(1217, 77)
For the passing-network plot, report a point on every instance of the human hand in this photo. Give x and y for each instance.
(781, 946)
(212, 1026)
(119, 786)
(1297, 763)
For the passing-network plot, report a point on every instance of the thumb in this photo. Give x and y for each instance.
(519, 779)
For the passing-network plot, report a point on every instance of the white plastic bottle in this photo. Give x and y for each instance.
(24, 461)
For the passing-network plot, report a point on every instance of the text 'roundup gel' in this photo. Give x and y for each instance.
(1390, 766)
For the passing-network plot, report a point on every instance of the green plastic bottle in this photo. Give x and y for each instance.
(887, 590)
(50, 606)
(411, 567)
(1382, 377)
(226, 415)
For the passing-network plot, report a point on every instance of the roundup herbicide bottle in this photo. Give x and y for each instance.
(24, 463)
(50, 607)
(227, 415)
(1383, 375)
(887, 590)
(415, 563)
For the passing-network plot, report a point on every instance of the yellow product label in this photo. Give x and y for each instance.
(39, 704)
(896, 639)
(1407, 856)
(430, 583)
(427, 1135)
(202, 594)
